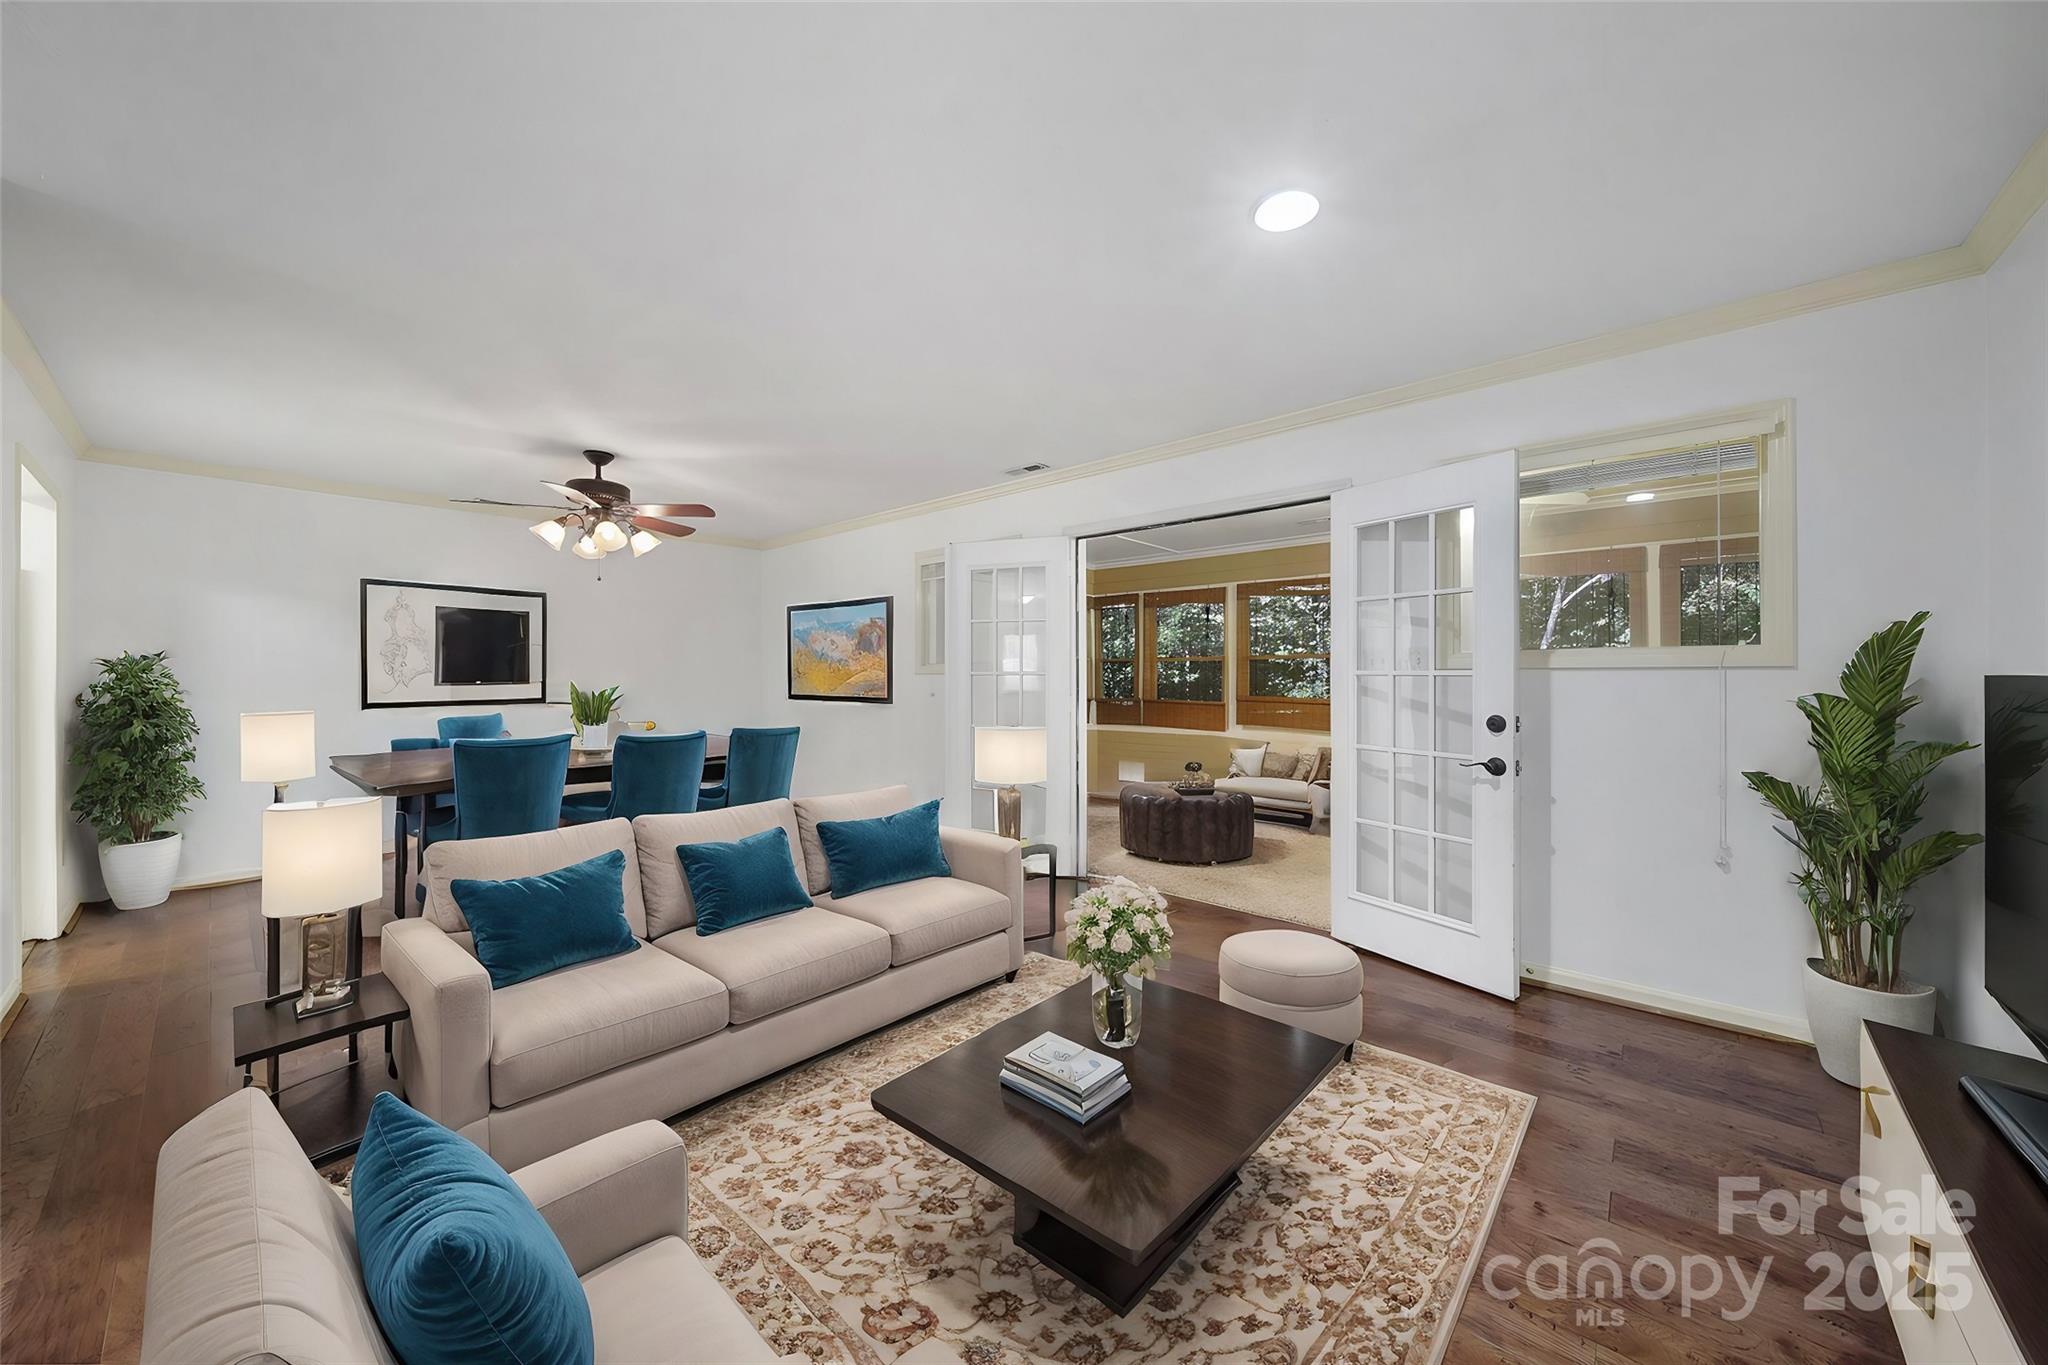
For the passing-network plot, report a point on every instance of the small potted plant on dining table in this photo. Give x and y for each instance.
(592, 712)
(1118, 931)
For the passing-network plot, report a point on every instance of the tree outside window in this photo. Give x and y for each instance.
(1117, 646)
(1575, 611)
(1288, 644)
(1720, 604)
(1188, 651)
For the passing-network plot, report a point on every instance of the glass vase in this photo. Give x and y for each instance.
(1117, 1003)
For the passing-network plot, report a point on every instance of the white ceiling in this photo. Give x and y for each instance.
(809, 263)
(1213, 535)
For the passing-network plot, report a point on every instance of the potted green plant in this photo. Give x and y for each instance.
(1858, 859)
(134, 755)
(592, 713)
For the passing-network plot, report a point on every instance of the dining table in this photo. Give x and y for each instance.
(413, 777)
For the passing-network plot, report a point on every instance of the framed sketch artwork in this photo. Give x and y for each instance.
(437, 644)
(843, 651)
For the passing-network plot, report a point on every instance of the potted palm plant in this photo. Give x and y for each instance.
(134, 755)
(1858, 856)
(592, 712)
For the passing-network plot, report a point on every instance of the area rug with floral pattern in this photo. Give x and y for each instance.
(1352, 1237)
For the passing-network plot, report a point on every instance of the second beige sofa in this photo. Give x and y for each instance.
(536, 1067)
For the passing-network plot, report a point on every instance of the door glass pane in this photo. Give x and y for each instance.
(1411, 791)
(1453, 630)
(1375, 771)
(1006, 594)
(1454, 548)
(1454, 880)
(1411, 555)
(1031, 647)
(1411, 634)
(1372, 860)
(1375, 637)
(985, 699)
(1411, 870)
(1372, 560)
(1009, 699)
(1376, 711)
(984, 654)
(1454, 713)
(1453, 798)
(1033, 712)
(982, 594)
(1033, 593)
(985, 808)
(1411, 713)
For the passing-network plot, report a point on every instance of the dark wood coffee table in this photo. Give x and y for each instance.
(1112, 1204)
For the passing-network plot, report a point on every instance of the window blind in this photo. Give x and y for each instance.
(1726, 456)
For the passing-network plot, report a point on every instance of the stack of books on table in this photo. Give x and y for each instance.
(1074, 1080)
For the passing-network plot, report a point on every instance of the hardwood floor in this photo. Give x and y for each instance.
(124, 1034)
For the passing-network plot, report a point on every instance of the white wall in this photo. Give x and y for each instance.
(26, 432)
(254, 591)
(1620, 798)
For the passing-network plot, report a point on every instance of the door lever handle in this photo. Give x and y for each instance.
(1495, 767)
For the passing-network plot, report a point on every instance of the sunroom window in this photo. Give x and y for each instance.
(1672, 546)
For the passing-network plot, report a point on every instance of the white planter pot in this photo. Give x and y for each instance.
(1835, 1012)
(140, 875)
(594, 738)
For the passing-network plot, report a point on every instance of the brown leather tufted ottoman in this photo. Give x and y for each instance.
(1159, 823)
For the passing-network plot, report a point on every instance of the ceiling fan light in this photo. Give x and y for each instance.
(643, 541)
(586, 548)
(550, 531)
(608, 536)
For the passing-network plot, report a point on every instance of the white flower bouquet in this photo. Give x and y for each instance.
(1118, 931)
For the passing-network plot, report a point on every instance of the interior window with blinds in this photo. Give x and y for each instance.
(1655, 550)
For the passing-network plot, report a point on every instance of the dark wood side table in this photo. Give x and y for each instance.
(325, 1112)
(1052, 885)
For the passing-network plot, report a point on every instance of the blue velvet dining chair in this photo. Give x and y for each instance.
(502, 786)
(758, 767)
(651, 775)
(453, 728)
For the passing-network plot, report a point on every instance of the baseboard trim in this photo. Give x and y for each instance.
(13, 1008)
(1784, 1028)
(232, 877)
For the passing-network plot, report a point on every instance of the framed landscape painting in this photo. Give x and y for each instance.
(843, 651)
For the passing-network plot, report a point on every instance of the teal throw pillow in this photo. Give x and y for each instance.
(743, 881)
(529, 926)
(460, 1267)
(865, 854)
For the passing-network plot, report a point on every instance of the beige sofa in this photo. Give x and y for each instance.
(541, 1065)
(252, 1254)
(1306, 799)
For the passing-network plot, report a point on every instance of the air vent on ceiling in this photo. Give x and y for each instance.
(1021, 470)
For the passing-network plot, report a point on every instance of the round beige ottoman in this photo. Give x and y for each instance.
(1311, 982)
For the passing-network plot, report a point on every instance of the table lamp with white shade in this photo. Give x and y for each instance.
(277, 747)
(1006, 757)
(322, 860)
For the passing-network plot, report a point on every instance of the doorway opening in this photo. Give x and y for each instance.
(39, 793)
(1205, 681)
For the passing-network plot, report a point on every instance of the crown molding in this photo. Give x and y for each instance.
(28, 362)
(2015, 204)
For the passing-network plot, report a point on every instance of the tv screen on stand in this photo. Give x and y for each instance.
(2016, 849)
(2016, 896)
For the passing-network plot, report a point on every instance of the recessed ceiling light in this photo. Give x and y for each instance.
(1285, 211)
(1644, 496)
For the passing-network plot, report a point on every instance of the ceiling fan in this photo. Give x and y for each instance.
(600, 513)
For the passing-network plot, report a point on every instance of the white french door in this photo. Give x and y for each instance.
(1010, 635)
(1423, 656)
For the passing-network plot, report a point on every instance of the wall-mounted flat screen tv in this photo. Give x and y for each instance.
(474, 646)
